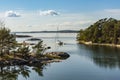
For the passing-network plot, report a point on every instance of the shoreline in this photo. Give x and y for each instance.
(49, 57)
(100, 44)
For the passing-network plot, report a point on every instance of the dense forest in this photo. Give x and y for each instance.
(103, 31)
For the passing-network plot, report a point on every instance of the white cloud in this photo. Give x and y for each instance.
(31, 21)
(12, 14)
(49, 12)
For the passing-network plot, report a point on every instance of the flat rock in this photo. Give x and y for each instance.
(62, 55)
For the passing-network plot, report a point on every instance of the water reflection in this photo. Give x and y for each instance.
(12, 72)
(102, 56)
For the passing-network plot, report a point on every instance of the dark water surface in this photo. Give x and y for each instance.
(84, 63)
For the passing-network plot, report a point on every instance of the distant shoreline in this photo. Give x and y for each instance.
(99, 44)
(22, 36)
(61, 31)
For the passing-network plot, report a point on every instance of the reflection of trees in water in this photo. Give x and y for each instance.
(24, 71)
(103, 56)
(107, 62)
(39, 68)
(12, 72)
(8, 73)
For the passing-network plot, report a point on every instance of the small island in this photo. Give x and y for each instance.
(15, 53)
(103, 32)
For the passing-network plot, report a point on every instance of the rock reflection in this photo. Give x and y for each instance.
(102, 56)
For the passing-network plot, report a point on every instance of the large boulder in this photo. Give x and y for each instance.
(61, 55)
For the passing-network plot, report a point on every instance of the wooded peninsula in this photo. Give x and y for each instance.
(104, 31)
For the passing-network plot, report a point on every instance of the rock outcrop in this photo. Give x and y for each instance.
(60, 55)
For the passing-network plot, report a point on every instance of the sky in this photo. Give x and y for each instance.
(39, 15)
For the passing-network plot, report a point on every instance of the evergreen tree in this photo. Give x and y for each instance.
(7, 40)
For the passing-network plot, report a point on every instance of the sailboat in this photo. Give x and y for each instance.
(59, 42)
(57, 38)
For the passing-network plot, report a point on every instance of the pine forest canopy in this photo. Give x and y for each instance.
(103, 31)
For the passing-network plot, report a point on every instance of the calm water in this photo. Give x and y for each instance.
(84, 63)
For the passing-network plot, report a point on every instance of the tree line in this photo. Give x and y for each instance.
(105, 30)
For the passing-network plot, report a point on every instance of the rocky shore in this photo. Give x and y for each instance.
(31, 60)
(100, 44)
(59, 55)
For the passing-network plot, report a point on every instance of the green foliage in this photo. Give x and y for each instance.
(103, 31)
(24, 50)
(39, 48)
(9, 44)
(7, 40)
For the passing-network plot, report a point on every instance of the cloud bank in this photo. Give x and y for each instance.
(112, 11)
(12, 14)
(49, 13)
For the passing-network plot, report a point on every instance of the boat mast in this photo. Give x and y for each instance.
(58, 32)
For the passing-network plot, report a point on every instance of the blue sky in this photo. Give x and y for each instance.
(28, 15)
(69, 5)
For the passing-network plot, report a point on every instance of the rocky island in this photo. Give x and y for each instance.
(15, 53)
(9, 60)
